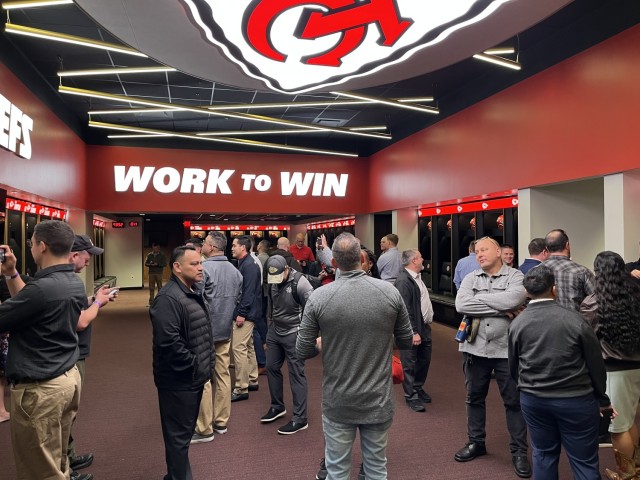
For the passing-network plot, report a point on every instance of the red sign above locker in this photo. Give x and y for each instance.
(496, 204)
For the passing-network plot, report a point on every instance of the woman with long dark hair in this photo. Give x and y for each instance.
(614, 313)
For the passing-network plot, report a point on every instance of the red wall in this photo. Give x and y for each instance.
(103, 198)
(574, 120)
(56, 171)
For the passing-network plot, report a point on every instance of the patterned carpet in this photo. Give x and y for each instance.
(119, 422)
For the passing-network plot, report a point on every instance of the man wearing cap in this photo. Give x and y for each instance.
(288, 293)
(81, 252)
(41, 317)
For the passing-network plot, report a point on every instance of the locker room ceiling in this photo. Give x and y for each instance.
(454, 83)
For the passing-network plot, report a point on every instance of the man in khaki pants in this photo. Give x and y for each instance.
(41, 317)
(222, 287)
(248, 311)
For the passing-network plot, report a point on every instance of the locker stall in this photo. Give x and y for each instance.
(258, 232)
(330, 229)
(20, 218)
(445, 233)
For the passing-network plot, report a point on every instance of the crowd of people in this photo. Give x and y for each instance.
(561, 342)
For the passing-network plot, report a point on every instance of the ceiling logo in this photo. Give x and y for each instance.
(301, 45)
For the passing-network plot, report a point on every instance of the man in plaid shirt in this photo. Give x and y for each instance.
(573, 281)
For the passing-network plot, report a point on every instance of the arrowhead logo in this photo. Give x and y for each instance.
(514, 202)
(438, 211)
(296, 46)
(485, 205)
(459, 208)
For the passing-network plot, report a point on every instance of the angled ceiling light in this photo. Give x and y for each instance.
(223, 133)
(500, 51)
(140, 135)
(114, 71)
(33, 3)
(64, 38)
(496, 60)
(236, 141)
(386, 101)
(205, 111)
(257, 106)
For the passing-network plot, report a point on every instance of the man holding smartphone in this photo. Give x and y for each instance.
(81, 252)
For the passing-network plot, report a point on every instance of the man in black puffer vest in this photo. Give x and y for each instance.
(183, 357)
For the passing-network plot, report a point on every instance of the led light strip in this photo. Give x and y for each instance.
(63, 37)
(114, 71)
(255, 106)
(385, 101)
(503, 62)
(237, 141)
(34, 3)
(205, 111)
(224, 133)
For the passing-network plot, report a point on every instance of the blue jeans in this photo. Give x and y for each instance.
(571, 423)
(338, 440)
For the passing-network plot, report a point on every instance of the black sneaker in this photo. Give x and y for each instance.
(322, 471)
(81, 461)
(292, 427)
(361, 473)
(272, 414)
(220, 429)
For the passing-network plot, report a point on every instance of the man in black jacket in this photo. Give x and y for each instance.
(183, 357)
(415, 362)
(248, 311)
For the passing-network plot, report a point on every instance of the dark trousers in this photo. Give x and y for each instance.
(178, 415)
(281, 348)
(571, 423)
(477, 376)
(415, 364)
(259, 339)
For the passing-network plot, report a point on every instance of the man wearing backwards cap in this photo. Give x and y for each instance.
(284, 312)
(81, 252)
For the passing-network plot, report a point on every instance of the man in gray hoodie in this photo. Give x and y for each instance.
(359, 317)
(222, 286)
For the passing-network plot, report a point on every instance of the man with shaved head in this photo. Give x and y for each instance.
(492, 296)
(302, 253)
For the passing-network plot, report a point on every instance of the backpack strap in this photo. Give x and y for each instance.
(294, 286)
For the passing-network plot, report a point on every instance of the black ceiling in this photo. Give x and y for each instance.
(576, 27)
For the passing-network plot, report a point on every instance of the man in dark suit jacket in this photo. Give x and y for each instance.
(415, 362)
(538, 253)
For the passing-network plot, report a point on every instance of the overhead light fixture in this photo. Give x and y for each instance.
(259, 106)
(500, 51)
(224, 133)
(389, 102)
(205, 111)
(114, 71)
(33, 3)
(503, 62)
(64, 38)
(236, 141)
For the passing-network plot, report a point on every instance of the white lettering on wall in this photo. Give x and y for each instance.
(197, 180)
(325, 185)
(15, 129)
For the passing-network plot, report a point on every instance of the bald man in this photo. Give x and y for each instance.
(302, 253)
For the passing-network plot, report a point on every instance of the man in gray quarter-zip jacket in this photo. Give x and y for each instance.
(359, 317)
(492, 295)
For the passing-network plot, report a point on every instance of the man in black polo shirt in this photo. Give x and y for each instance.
(41, 317)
